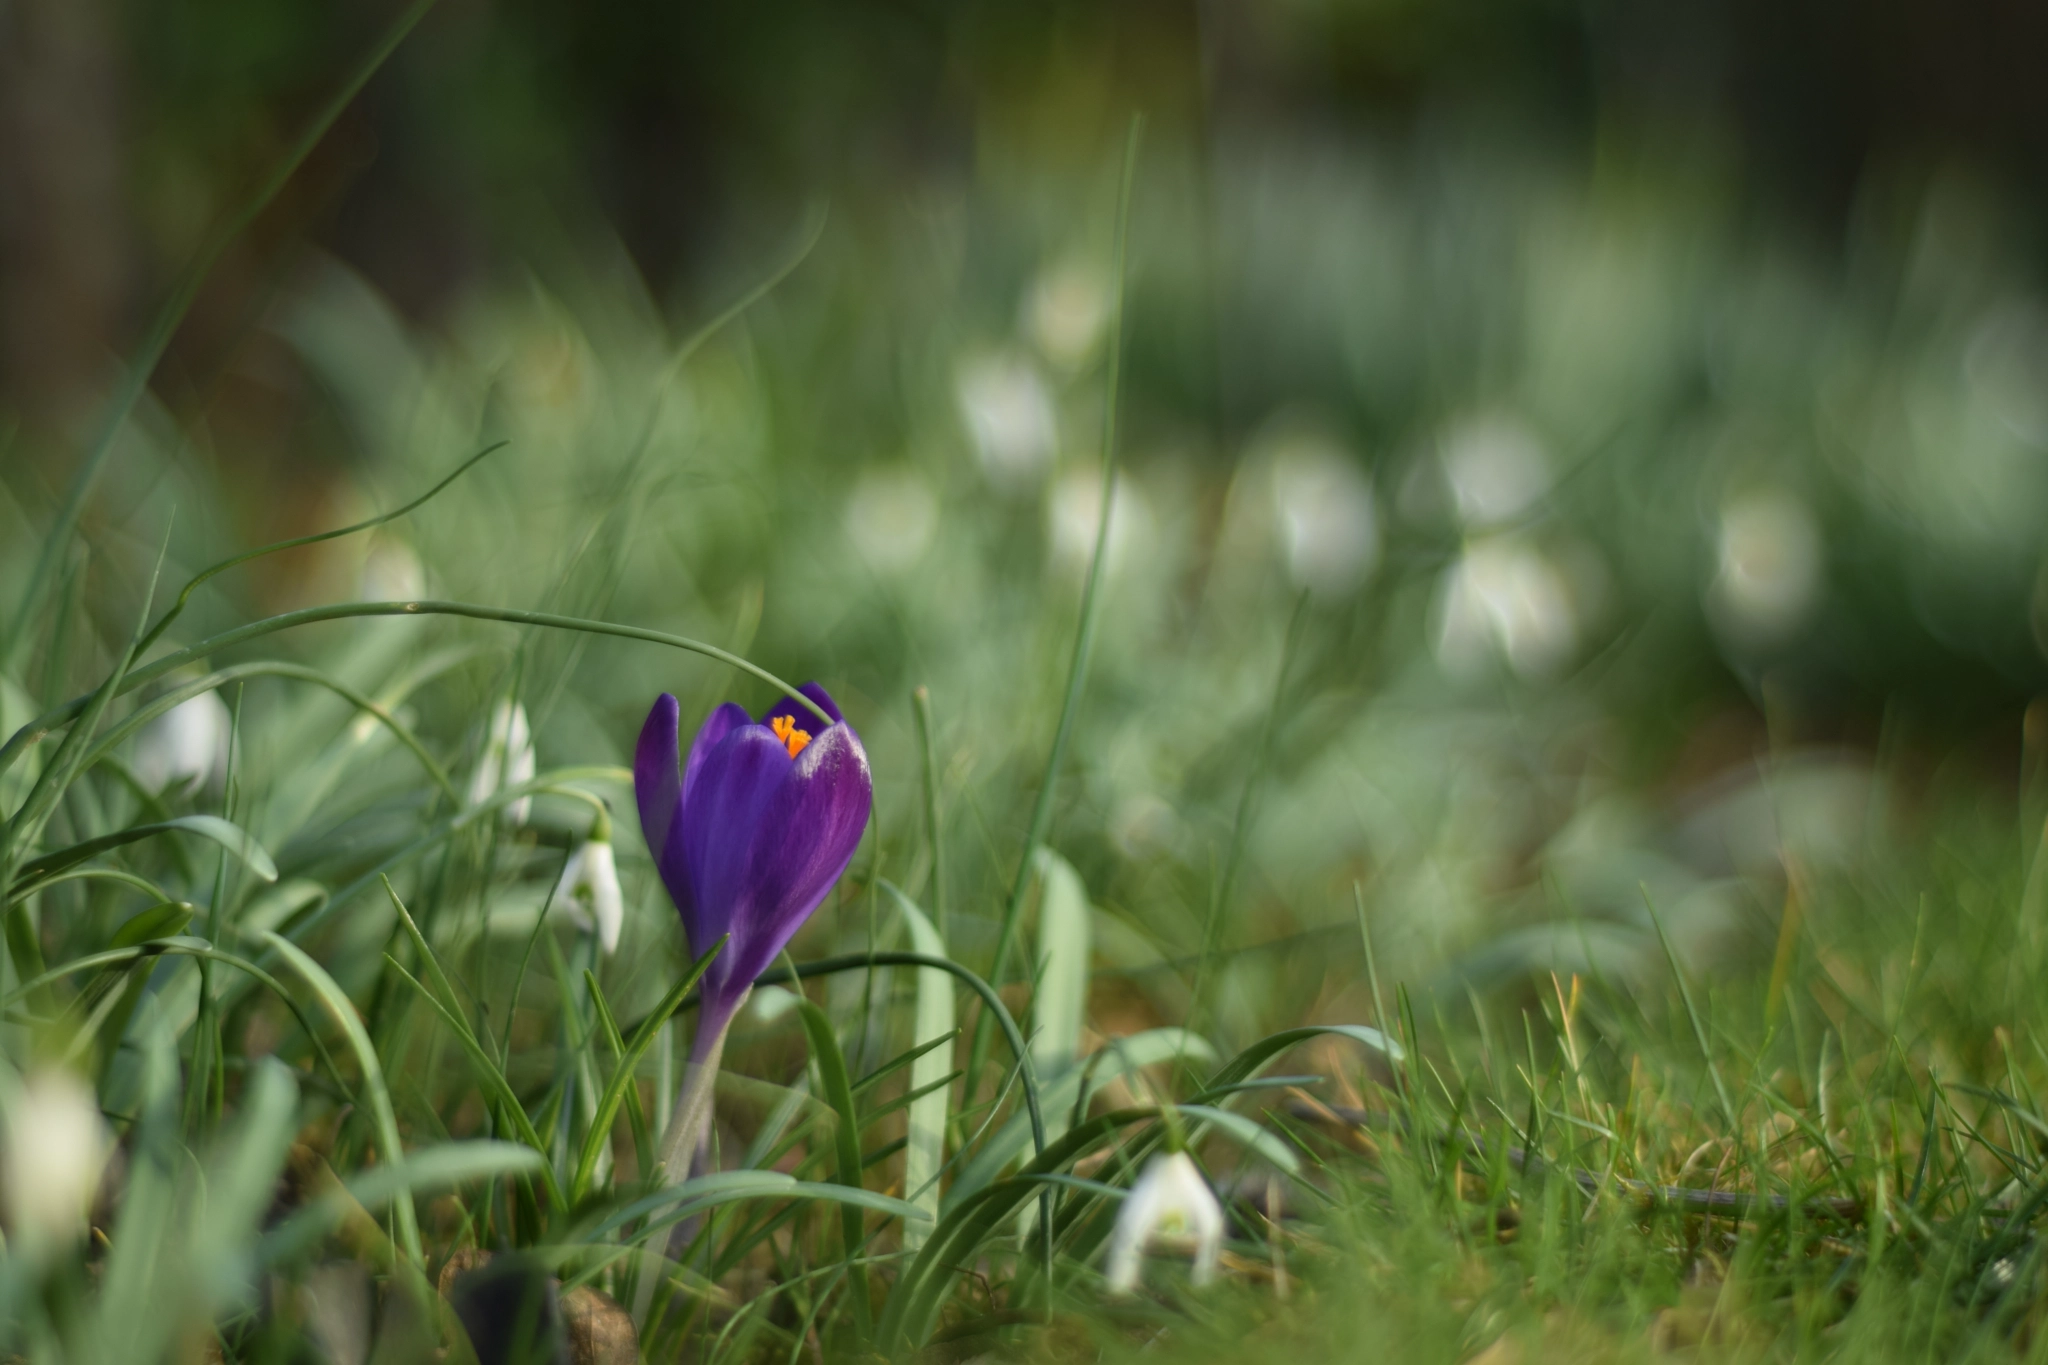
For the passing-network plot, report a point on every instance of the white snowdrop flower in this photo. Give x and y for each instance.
(770, 1003)
(1328, 528)
(1496, 469)
(1064, 312)
(186, 746)
(506, 761)
(1142, 825)
(1769, 576)
(1009, 413)
(891, 517)
(1074, 516)
(589, 890)
(1170, 1206)
(1505, 600)
(392, 572)
(55, 1147)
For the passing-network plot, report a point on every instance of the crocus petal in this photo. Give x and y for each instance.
(722, 833)
(658, 787)
(816, 819)
(720, 723)
(801, 714)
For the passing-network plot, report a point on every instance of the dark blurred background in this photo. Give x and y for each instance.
(124, 128)
(1648, 402)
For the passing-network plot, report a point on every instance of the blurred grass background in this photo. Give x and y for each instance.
(1571, 453)
(1633, 395)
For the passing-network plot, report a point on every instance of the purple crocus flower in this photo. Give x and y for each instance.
(749, 835)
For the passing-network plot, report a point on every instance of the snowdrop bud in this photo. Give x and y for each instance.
(392, 572)
(186, 746)
(589, 891)
(891, 517)
(1170, 1206)
(1010, 415)
(1504, 599)
(1064, 313)
(506, 761)
(1496, 470)
(1075, 516)
(55, 1147)
(1769, 576)
(1327, 524)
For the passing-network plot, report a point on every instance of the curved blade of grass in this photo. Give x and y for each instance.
(184, 947)
(492, 1079)
(1091, 589)
(622, 1075)
(989, 999)
(272, 668)
(25, 826)
(1122, 1057)
(227, 834)
(127, 680)
(915, 1301)
(1061, 998)
(343, 1012)
(166, 919)
(434, 1168)
(1246, 1134)
(838, 1092)
(1241, 1067)
(692, 1197)
(172, 314)
(111, 874)
(932, 1020)
(171, 614)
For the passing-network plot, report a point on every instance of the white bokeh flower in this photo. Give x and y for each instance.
(1496, 469)
(1328, 528)
(392, 572)
(1505, 600)
(1769, 574)
(1170, 1207)
(1074, 517)
(1064, 312)
(1009, 413)
(507, 760)
(589, 890)
(186, 746)
(890, 518)
(53, 1147)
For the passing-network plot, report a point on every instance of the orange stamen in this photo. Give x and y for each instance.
(786, 731)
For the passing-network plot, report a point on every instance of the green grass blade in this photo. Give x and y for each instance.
(491, 1078)
(227, 834)
(622, 1075)
(270, 668)
(343, 1011)
(1061, 1000)
(204, 575)
(838, 1092)
(443, 1167)
(932, 1019)
(127, 680)
(1245, 1064)
(168, 318)
(1091, 589)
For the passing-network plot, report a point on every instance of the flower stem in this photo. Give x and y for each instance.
(683, 1140)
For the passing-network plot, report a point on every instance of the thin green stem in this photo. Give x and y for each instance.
(168, 318)
(56, 716)
(1091, 600)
